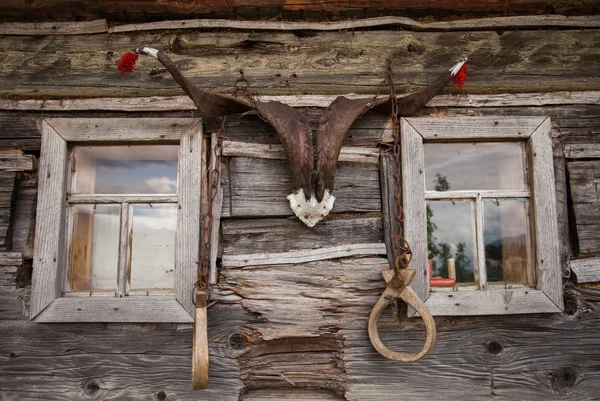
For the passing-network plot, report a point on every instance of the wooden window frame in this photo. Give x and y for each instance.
(50, 250)
(535, 132)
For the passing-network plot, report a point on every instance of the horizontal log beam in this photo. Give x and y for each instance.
(53, 28)
(142, 10)
(177, 103)
(17, 163)
(282, 63)
(518, 22)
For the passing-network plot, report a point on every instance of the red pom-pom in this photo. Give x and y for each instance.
(127, 62)
(461, 76)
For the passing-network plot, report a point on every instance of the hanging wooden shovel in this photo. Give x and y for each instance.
(400, 289)
(200, 343)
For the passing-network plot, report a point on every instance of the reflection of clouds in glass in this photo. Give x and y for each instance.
(136, 177)
(161, 185)
(494, 209)
(475, 165)
(156, 217)
(454, 225)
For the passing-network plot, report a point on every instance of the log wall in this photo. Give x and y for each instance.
(291, 328)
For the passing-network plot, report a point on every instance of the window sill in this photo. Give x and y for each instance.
(493, 302)
(123, 310)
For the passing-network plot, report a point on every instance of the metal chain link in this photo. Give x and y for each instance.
(402, 251)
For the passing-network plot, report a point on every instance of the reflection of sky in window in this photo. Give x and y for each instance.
(476, 166)
(455, 224)
(136, 176)
(492, 227)
(153, 246)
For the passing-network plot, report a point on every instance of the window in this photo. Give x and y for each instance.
(481, 215)
(118, 221)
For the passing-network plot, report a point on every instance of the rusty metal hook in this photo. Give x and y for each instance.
(405, 293)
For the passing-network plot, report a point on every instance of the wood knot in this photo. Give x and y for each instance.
(90, 387)
(237, 341)
(494, 347)
(160, 395)
(563, 378)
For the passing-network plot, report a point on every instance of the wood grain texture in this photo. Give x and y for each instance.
(143, 309)
(264, 151)
(243, 236)
(16, 163)
(584, 184)
(175, 103)
(582, 150)
(24, 217)
(8, 186)
(548, 261)
(187, 253)
(53, 28)
(467, 128)
(125, 244)
(490, 302)
(586, 270)
(200, 343)
(516, 61)
(529, 22)
(115, 129)
(49, 249)
(413, 202)
(258, 187)
(216, 193)
(11, 259)
(302, 256)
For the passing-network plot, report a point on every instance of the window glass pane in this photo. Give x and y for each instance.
(506, 238)
(125, 169)
(474, 166)
(451, 243)
(94, 248)
(153, 246)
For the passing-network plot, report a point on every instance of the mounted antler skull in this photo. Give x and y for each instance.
(312, 193)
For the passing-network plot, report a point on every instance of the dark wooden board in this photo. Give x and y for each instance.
(285, 63)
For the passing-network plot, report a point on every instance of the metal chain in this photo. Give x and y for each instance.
(213, 179)
(402, 251)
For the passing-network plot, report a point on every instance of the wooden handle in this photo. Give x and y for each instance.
(411, 298)
(200, 344)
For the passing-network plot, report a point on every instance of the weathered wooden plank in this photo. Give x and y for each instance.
(49, 248)
(115, 129)
(24, 217)
(413, 196)
(187, 254)
(586, 270)
(467, 128)
(528, 22)
(265, 151)
(17, 163)
(108, 309)
(258, 187)
(53, 28)
(216, 193)
(7, 194)
(547, 250)
(175, 103)
(242, 236)
(11, 259)
(491, 302)
(303, 256)
(145, 10)
(582, 150)
(584, 180)
(93, 198)
(515, 61)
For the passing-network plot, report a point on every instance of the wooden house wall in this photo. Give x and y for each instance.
(297, 330)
